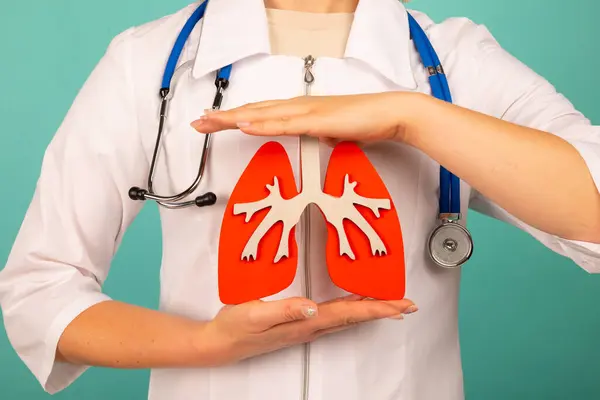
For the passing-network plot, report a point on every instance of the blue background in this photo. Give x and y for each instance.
(529, 320)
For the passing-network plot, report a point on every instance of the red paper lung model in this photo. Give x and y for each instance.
(258, 254)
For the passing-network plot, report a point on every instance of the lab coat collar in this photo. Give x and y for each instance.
(236, 29)
(231, 31)
(380, 37)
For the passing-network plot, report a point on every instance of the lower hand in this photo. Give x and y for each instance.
(370, 117)
(255, 328)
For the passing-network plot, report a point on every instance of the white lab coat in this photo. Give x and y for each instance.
(81, 207)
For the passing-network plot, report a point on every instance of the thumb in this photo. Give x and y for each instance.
(266, 315)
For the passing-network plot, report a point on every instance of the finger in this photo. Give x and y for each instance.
(411, 309)
(307, 124)
(350, 313)
(250, 113)
(263, 104)
(206, 126)
(233, 119)
(296, 101)
(330, 331)
(274, 110)
(341, 328)
(261, 110)
(350, 297)
(407, 306)
(247, 106)
(337, 315)
(265, 315)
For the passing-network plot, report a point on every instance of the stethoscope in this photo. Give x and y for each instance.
(450, 244)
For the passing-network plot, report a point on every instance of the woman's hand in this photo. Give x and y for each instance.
(370, 117)
(119, 335)
(258, 327)
(502, 161)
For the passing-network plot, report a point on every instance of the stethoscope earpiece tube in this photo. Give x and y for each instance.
(207, 199)
(136, 193)
(165, 94)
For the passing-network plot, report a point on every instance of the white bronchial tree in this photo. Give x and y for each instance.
(335, 209)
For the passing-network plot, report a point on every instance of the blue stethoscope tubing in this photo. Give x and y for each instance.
(449, 196)
(450, 243)
(449, 183)
(224, 73)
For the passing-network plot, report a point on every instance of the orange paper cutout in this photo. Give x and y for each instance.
(377, 276)
(242, 281)
(254, 269)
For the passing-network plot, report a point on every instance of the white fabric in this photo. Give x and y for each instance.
(63, 252)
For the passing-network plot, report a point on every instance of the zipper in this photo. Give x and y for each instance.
(310, 181)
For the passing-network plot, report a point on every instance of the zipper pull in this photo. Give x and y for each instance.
(309, 78)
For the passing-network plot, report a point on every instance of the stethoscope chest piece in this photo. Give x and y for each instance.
(450, 245)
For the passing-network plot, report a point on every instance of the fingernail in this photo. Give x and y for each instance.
(398, 317)
(411, 309)
(243, 124)
(309, 311)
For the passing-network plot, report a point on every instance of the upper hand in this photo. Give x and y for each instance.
(369, 117)
(258, 327)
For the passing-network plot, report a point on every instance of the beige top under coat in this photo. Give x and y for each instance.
(298, 34)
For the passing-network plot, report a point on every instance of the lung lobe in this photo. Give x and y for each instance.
(247, 273)
(373, 273)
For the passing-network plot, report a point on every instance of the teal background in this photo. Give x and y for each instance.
(530, 320)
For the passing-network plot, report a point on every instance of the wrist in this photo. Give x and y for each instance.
(211, 348)
(408, 109)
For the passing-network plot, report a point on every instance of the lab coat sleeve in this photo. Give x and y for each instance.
(76, 219)
(506, 88)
